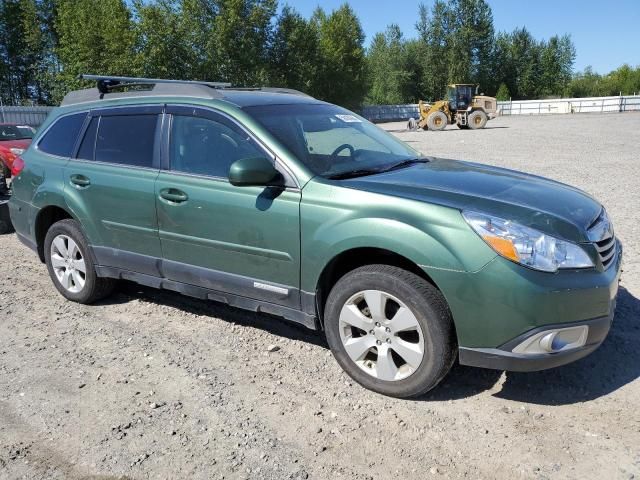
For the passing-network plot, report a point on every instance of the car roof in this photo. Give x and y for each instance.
(241, 97)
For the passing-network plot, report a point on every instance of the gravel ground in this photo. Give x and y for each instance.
(151, 384)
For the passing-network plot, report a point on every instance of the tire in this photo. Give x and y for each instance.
(402, 360)
(65, 250)
(437, 121)
(5, 226)
(477, 120)
(5, 220)
(412, 124)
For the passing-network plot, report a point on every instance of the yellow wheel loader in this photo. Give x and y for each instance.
(463, 106)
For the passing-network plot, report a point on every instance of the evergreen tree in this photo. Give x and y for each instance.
(95, 36)
(16, 54)
(341, 67)
(471, 41)
(294, 52)
(239, 42)
(163, 38)
(434, 30)
(388, 71)
(503, 93)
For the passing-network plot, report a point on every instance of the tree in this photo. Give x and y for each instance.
(471, 41)
(387, 68)
(556, 63)
(503, 93)
(163, 39)
(434, 31)
(294, 52)
(238, 45)
(16, 52)
(95, 36)
(624, 80)
(341, 68)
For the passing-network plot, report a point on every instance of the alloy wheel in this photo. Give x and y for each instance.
(381, 335)
(68, 263)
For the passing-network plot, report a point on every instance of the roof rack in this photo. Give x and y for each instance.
(107, 83)
(113, 87)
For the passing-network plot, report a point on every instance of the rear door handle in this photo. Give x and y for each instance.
(173, 195)
(80, 180)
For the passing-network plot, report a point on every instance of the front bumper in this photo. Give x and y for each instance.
(503, 358)
(500, 306)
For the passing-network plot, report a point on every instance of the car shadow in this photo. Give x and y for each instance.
(615, 364)
(270, 323)
(612, 366)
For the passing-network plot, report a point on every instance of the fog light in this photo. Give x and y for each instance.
(555, 340)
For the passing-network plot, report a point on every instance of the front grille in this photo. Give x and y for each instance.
(607, 250)
(600, 232)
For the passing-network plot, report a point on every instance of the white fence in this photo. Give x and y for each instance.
(571, 105)
(624, 103)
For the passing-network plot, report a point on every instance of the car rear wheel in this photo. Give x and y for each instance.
(70, 265)
(390, 330)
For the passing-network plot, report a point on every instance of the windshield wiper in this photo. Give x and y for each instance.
(405, 163)
(354, 173)
(371, 171)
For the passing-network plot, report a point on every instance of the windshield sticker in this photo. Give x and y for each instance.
(349, 118)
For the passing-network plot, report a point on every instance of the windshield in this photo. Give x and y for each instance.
(16, 132)
(332, 141)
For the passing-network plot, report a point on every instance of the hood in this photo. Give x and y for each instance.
(549, 206)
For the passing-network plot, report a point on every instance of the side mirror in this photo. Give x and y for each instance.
(253, 172)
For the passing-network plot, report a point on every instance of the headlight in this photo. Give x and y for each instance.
(527, 246)
(17, 151)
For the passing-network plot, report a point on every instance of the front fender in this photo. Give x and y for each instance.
(335, 220)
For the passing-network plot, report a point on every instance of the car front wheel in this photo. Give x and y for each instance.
(390, 330)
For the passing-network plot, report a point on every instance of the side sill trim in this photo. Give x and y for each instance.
(238, 301)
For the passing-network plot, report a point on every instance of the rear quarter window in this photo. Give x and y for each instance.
(61, 137)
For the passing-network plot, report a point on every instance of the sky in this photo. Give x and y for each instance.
(606, 33)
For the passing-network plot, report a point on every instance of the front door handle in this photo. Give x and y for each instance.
(173, 195)
(80, 180)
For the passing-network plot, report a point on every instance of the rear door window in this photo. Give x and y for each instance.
(61, 137)
(126, 140)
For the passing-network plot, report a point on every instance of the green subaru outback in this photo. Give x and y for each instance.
(273, 201)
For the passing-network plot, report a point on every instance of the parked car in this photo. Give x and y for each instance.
(14, 140)
(273, 201)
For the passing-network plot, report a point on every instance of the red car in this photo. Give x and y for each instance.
(14, 140)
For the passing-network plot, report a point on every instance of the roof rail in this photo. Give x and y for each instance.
(106, 83)
(118, 87)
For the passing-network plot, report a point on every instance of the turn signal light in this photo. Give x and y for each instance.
(503, 246)
(17, 166)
